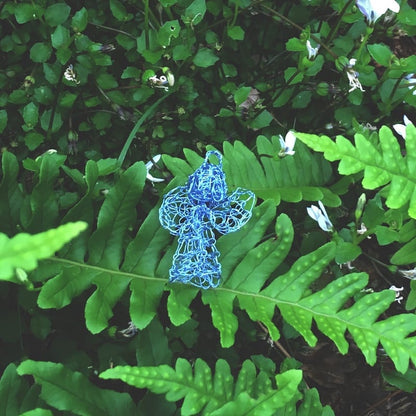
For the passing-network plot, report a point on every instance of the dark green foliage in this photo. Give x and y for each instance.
(91, 91)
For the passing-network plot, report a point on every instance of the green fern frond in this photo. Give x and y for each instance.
(107, 259)
(72, 391)
(292, 179)
(23, 251)
(382, 163)
(217, 394)
(105, 253)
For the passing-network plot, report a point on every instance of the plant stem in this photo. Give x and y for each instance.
(139, 123)
(113, 29)
(301, 29)
(368, 32)
(146, 23)
(393, 91)
(236, 7)
(334, 30)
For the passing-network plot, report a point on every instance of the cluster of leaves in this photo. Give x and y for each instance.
(82, 252)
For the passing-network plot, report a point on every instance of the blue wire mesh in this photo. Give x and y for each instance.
(193, 212)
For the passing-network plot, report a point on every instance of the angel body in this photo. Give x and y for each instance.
(194, 212)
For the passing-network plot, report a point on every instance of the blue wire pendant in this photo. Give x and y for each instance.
(193, 212)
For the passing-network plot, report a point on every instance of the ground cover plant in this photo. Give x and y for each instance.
(306, 110)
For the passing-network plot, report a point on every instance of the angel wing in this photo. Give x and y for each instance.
(234, 212)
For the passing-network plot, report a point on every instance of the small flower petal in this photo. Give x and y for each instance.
(320, 215)
(374, 9)
(409, 274)
(401, 128)
(287, 144)
(397, 290)
(312, 52)
(149, 166)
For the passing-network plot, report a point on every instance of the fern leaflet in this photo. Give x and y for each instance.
(72, 391)
(381, 162)
(217, 395)
(107, 258)
(301, 177)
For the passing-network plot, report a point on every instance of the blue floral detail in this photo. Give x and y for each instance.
(194, 212)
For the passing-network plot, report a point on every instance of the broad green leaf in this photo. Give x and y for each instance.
(195, 12)
(295, 45)
(26, 12)
(236, 33)
(405, 382)
(31, 114)
(262, 120)
(72, 391)
(241, 95)
(152, 345)
(169, 29)
(311, 405)
(406, 254)
(204, 58)
(60, 37)
(116, 214)
(80, 20)
(293, 76)
(33, 140)
(380, 53)
(119, 11)
(40, 52)
(56, 14)
(10, 391)
(43, 210)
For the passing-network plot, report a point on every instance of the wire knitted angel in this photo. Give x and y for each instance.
(193, 212)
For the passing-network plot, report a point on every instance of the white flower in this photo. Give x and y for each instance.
(401, 128)
(149, 166)
(169, 76)
(348, 265)
(70, 74)
(373, 9)
(287, 144)
(353, 76)
(411, 81)
(409, 274)
(320, 215)
(397, 290)
(159, 82)
(362, 230)
(312, 52)
(130, 331)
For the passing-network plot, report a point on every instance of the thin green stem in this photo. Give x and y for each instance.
(393, 91)
(301, 29)
(146, 23)
(335, 28)
(113, 29)
(368, 32)
(137, 126)
(236, 8)
(292, 77)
